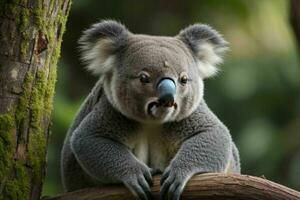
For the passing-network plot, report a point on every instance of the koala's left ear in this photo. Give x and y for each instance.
(100, 44)
(207, 45)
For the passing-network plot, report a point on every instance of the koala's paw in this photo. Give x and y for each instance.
(139, 182)
(173, 182)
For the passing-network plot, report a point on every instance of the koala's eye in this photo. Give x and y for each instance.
(144, 78)
(184, 79)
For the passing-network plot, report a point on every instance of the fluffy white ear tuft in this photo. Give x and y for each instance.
(100, 44)
(209, 58)
(99, 58)
(207, 45)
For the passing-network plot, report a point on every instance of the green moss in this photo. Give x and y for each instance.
(51, 81)
(39, 19)
(18, 187)
(23, 105)
(23, 28)
(6, 143)
(37, 140)
(61, 20)
(51, 4)
(36, 152)
(34, 90)
(37, 99)
(50, 89)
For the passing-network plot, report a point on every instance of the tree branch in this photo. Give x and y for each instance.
(206, 186)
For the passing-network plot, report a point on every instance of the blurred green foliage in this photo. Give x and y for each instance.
(257, 94)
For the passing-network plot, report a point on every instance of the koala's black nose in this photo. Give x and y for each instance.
(166, 90)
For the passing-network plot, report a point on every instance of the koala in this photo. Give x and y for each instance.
(146, 114)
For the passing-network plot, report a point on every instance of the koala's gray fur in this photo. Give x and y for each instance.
(121, 133)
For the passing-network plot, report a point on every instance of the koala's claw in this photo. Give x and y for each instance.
(145, 186)
(140, 188)
(140, 185)
(148, 177)
(172, 185)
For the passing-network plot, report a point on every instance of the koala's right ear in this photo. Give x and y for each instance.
(100, 43)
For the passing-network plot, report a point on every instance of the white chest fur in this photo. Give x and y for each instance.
(150, 147)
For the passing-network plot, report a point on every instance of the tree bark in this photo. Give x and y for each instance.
(30, 38)
(295, 19)
(205, 186)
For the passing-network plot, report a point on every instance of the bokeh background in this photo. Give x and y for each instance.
(257, 94)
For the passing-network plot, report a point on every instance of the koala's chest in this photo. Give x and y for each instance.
(151, 147)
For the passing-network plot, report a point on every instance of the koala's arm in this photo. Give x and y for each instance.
(98, 148)
(207, 147)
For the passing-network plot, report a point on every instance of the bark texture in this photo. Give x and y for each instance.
(30, 38)
(205, 186)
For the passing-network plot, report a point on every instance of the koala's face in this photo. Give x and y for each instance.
(156, 80)
(151, 78)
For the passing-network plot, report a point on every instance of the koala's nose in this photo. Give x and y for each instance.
(166, 90)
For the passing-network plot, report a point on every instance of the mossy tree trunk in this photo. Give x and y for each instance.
(30, 38)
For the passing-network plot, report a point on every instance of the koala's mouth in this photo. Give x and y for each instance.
(151, 107)
(160, 109)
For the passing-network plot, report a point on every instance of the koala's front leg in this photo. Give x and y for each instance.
(208, 151)
(108, 160)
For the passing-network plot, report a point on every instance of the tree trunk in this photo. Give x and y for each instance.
(205, 186)
(295, 19)
(30, 38)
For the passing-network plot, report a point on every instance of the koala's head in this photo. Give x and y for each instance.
(152, 78)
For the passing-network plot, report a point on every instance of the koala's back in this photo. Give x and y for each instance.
(87, 105)
(70, 168)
